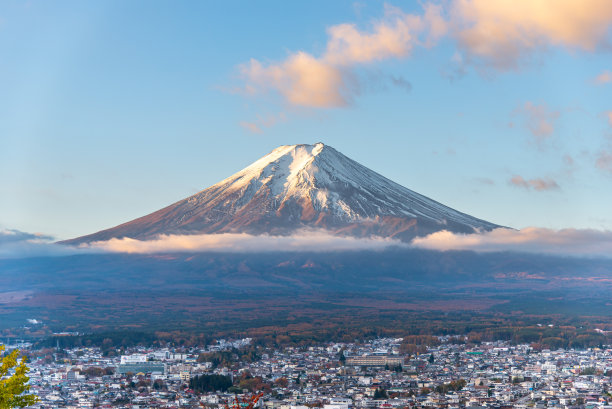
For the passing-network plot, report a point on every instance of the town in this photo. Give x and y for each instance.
(380, 373)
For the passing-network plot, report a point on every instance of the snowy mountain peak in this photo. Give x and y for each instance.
(294, 157)
(301, 186)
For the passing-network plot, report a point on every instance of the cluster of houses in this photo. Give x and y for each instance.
(372, 374)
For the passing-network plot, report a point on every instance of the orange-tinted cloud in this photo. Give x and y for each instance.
(302, 80)
(498, 34)
(530, 240)
(328, 81)
(603, 78)
(502, 33)
(538, 184)
(250, 126)
(394, 37)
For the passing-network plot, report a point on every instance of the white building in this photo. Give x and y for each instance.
(133, 359)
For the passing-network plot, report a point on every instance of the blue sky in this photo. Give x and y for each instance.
(113, 109)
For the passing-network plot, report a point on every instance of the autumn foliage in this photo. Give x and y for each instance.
(14, 381)
(247, 402)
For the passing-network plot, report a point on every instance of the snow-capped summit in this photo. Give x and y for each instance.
(296, 187)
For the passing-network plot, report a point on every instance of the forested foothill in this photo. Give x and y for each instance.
(304, 298)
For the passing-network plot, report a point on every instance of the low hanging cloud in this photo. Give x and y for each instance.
(329, 80)
(8, 236)
(577, 242)
(539, 184)
(19, 244)
(318, 241)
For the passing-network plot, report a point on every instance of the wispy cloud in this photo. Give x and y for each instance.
(401, 82)
(318, 241)
(603, 78)
(485, 181)
(539, 184)
(263, 122)
(578, 242)
(251, 127)
(539, 120)
(329, 80)
(604, 160)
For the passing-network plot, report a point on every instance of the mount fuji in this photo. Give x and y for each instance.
(297, 187)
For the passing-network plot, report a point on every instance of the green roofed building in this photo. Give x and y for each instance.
(144, 367)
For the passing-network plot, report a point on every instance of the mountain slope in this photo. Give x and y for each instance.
(296, 187)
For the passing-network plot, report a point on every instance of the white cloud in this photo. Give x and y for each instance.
(578, 242)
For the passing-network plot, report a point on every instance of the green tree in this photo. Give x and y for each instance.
(341, 356)
(14, 381)
(589, 370)
(380, 393)
(210, 383)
